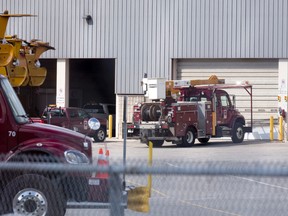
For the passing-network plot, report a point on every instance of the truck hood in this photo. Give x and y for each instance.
(42, 132)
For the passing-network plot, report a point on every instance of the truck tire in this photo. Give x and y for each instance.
(238, 133)
(100, 135)
(156, 143)
(189, 139)
(203, 140)
(32, 194)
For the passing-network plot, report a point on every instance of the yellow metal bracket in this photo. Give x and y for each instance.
(6, 54)
(4, 17)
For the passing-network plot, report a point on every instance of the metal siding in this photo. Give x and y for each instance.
(285, 30)
(275, 27)
(144, 35)
(153, 41)
(211, 29)
(266, 28)
(229, 28)
(171, 31)
(162, 61)
(280, 24)
(252, 30)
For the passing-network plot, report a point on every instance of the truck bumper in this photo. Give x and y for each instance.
(86, 188)
(247, 129)
(97, 205)
(132, 130)
(98, 190)
(98, 196)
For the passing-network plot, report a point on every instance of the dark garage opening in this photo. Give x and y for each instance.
(90, 80)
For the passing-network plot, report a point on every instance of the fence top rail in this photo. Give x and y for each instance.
(192, 168)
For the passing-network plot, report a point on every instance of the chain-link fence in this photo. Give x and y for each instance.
(167, 188)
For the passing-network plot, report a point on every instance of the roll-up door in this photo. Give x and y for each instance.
(262, 74)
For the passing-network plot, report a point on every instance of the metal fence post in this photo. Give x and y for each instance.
(271, 128)
(281, 133)
(115, 195)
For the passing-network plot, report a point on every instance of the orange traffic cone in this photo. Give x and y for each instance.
(107, 155)
(102, 161)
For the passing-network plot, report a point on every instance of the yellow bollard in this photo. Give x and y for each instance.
(150, 164)
(213, 123)
(110, 125)
(281, 129)
(271, 128)
(138, 199)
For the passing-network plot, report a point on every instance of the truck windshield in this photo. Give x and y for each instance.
(14, 102)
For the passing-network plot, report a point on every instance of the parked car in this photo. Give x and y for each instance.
(102, 110)
(76, 119)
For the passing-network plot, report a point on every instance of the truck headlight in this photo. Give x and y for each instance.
(75, 157)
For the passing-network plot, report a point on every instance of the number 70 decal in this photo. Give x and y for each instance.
(11, 133)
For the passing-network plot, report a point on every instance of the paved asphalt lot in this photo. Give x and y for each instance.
(216, 150)
(206, 195)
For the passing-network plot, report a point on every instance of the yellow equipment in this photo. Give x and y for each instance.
(19, 61)
(6, 50)
(37, 74)
(172, 86)
(138, 199)
(16, 70)
(6, 54)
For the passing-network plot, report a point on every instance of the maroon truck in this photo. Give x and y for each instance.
(76, 119)
(199, 111)
(21, 140)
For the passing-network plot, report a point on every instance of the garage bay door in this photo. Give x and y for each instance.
(262, 74)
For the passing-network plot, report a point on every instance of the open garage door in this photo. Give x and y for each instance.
(92, 86)
(91, 80)
(262, 74)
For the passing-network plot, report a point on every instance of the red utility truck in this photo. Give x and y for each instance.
(181, 111)
(21, 140)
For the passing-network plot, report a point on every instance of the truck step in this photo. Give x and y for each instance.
(226, 131)
(201, 133)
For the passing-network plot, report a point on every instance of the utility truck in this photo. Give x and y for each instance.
(180, 111)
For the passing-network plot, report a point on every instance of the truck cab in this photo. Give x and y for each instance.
(23, 141)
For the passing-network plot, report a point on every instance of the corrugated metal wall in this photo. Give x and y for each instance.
(144, 35)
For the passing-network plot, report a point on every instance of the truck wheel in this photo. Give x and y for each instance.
(32, 194)
(203, 140)
(238, 133)
(156, 143)
(100, 135)
(189, 139)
